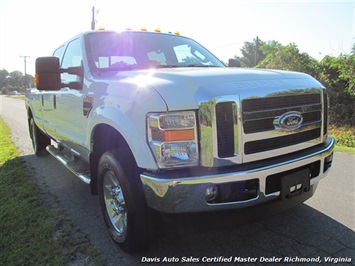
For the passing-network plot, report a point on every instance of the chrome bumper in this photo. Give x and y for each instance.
(175, 193)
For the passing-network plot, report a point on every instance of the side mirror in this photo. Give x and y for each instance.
(48, 73)
(234, 63)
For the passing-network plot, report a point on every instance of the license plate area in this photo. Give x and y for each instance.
(295, 184)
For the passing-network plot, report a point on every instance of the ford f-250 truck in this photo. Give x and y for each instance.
(155, 122)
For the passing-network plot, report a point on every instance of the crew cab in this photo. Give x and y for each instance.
(153, 122)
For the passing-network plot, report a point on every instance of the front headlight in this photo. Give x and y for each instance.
(172, 138)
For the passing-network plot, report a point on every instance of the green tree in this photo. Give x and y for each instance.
(252, 53)
(14, 81)
(270, 47)
(29, 81)
(338, 76)
(15, 78)
(3, 79)
(288, 58)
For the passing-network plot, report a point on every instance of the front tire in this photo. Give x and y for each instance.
(39, 140)
(122, 201)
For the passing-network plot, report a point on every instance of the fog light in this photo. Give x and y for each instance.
(328, 162)
(329, 158)
(211, 193)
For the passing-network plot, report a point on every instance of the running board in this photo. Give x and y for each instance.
(78, 167)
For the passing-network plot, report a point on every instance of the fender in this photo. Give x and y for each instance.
(129, 119)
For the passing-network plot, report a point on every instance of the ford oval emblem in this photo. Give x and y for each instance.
(289, 121)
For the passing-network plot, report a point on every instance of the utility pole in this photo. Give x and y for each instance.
(353, 44)
(93, 19)
(257, 50)
(25, 61)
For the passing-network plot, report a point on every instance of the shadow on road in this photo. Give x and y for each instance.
(301, 231)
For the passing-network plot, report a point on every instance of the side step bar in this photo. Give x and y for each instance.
(78, 167)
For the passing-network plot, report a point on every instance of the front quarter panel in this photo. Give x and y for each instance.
(124, 106)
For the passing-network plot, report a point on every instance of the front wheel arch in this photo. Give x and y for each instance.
(104, 138)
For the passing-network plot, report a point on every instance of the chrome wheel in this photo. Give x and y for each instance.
(122, 201)
(115, 205)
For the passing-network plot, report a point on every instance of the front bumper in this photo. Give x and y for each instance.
(185, 191)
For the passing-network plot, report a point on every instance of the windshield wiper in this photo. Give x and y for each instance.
(199, 65)
(166, 66)
(117, 68)
(177, 66)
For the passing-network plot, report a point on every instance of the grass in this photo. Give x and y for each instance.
(31, 233)
(21, 97)
(345, 138)
(344, 149)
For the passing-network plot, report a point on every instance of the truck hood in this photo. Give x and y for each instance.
(185, 88)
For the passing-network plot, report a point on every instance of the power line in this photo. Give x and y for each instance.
(353, 24)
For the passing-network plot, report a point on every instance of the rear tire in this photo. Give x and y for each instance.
(122, 200)
(39, 140)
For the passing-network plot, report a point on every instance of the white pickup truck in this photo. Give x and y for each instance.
(155, 122)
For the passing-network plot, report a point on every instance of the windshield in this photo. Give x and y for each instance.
(111, 51)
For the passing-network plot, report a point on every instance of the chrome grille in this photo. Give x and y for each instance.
(278, 102)
(262, 137)
(225, 129)
(280, 142)
(244, 126)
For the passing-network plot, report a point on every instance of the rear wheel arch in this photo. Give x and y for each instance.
(29, 115)
(39, 140)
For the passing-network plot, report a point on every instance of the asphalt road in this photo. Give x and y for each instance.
(322, 227)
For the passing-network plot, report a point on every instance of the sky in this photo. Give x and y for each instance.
(35, 28)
